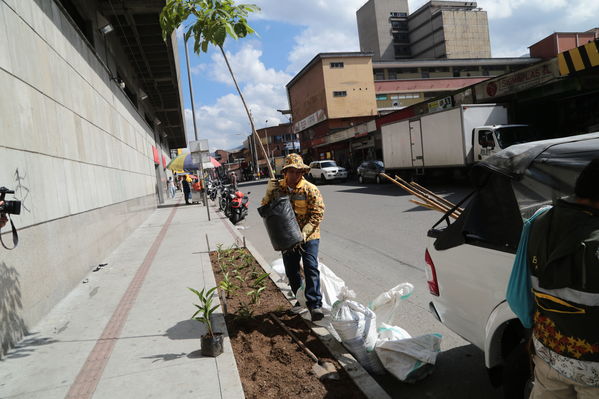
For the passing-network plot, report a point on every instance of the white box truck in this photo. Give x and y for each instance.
(452, 138)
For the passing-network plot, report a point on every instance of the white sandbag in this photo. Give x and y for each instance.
(279, 267)
(356, 326)
(386, 305)
(330, 287)
(409, 359)
(387, 332)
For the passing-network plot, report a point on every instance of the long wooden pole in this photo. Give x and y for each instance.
(429, 197)
(296, 339)
(247, 110)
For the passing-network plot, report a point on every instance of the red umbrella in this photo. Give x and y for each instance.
(215, 162)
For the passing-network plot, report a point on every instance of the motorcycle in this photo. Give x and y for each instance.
(238, 207)
(213, 188)
(226, 195)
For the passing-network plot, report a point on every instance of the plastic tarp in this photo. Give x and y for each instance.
(512, 184)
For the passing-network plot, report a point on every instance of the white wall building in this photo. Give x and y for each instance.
(81, 114)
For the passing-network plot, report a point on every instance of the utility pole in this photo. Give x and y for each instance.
(195, 132)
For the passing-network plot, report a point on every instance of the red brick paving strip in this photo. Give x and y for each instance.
(87, 380)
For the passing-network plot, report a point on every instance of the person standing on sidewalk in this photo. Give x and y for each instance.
(171, 188)
(186, 189)
(308, 207)
(563, 257)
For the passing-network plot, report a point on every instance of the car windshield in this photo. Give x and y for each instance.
(328, 164)
(507, 136)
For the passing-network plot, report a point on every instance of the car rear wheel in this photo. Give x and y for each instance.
(378, 179)
(360, 179)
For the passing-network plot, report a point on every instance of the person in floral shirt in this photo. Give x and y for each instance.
(308, 207)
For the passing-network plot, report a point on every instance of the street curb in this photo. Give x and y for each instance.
(369, 387)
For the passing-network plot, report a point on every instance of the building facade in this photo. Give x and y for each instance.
(90, 109)
(401, 83)
(449, 29)
(438, 29)
(332, 92)
(383, 29)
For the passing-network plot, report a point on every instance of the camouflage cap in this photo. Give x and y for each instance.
(295, 161)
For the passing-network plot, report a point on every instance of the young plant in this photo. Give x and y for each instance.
(255, 295)
(205, 308)
(227, 285)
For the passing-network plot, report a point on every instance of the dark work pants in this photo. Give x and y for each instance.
(308, 253)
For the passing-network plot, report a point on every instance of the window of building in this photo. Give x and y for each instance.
(379, 74)
(394, 97)
(394, 14)
(392, 73)
(407, 70)
(399, 25)
(402, 37)
(401, 51)
(336, 64)
(340, 93)
(381, 97)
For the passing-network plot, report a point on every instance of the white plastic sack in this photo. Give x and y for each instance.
(356, 326)
(386, 305)
(409, 359)
(330, 287)
(279, 267)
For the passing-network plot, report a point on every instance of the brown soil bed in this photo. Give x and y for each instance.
(270, 363)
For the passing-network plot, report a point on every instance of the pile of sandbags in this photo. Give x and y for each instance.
(367, 331)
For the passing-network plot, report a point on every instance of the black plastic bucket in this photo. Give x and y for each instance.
(281, 224)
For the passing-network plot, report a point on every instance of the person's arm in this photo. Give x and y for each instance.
(315, 209)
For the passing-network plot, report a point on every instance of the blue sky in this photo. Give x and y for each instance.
(292, 32)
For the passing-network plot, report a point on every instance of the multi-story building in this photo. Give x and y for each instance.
(401, 83)
(438, 29)
(383, 29)
(332, 92)
(559, 42)
(449, 29)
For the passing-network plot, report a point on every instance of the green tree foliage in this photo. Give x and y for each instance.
(214, 21)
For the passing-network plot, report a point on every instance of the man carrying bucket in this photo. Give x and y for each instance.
(308, 207)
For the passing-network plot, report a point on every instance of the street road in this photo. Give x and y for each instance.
(374, 238)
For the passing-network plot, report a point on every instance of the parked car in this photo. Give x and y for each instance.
(326, 170)
(469, 260)
(371, 170)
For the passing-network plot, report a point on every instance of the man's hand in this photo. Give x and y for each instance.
(307, 231)
(271, 187)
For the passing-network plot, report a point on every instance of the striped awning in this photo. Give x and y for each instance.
(579, 58)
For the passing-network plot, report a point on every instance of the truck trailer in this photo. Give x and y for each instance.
(453, 138)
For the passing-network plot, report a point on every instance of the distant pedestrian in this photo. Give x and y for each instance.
(234, 180)
(171, 187)
(186, 189)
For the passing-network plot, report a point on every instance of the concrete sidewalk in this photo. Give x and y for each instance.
(125, 331)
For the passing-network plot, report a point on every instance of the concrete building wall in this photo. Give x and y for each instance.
(444, 29)
(466, 34)
(367, 29)
(308, 95)
(76, 152)
(374, 27)
(355, 79)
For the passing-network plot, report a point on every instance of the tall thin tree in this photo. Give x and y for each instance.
(211, 22)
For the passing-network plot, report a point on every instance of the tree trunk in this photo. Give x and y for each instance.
(270, 171)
